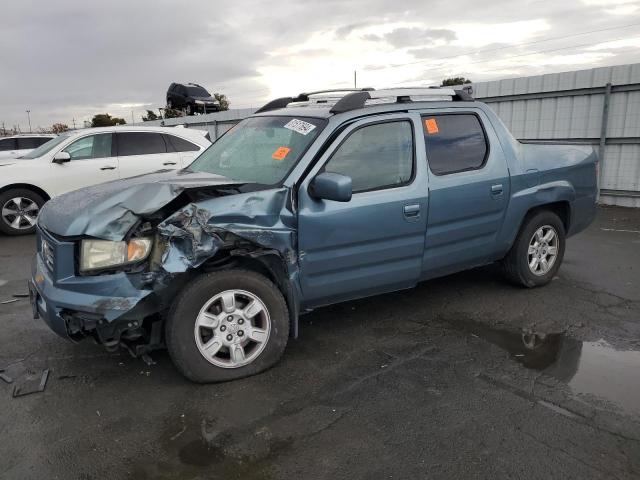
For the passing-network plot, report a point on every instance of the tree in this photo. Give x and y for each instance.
(451, 82)
(172, 113)
(106, 120)
(224, 101)
(150, 116)
(59, 128)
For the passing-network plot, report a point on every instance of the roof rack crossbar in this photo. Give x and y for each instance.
(281, 102)
(357, 98)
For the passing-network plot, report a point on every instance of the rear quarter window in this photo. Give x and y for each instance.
(177, 144)
(454, 143)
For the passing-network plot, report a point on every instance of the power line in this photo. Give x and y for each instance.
(512, 46)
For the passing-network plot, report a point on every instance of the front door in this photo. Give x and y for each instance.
(375, 242)
(468, 191)
(92, 161)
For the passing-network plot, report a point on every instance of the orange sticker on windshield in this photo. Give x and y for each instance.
(431, 125)
(280, 153)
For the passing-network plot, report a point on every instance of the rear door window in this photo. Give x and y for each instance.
(454, 143)
(177, 144)
(7, 144)
(140, 143)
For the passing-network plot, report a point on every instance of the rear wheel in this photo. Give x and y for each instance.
(19, 211)
(227, 325)
(537, 252)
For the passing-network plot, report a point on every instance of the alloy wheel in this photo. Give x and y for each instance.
(232, 328)
(543, 250)
(20, 213)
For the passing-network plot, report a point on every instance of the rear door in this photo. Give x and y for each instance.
(144, 152)
(375, 242)
(468, 190)
(92, 161)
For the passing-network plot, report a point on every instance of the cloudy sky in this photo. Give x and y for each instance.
(71, 59)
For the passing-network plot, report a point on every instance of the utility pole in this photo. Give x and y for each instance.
(29, 117)
(74, 123)
(355, 79)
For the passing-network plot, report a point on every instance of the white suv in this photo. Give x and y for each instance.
(18, 145)
(82, 158)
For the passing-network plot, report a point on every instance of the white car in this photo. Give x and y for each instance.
(18, 145)
(86, 157)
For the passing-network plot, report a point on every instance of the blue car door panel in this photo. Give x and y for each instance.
(468, 190)
(375, 242)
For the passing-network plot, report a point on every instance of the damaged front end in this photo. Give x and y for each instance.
(197, 223)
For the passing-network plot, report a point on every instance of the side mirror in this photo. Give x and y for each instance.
(62, 157)
(331, 186)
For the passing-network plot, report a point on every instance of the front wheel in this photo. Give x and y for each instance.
(537, 252)
(227, 325)
(20, 208)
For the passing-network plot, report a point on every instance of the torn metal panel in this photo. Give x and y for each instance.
(195, 233)
(111, 209)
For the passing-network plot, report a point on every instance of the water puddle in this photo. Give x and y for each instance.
(594, 368)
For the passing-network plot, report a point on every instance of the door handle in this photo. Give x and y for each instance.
(496, 189)
(107, 168)
(411, 211)
(169, 163)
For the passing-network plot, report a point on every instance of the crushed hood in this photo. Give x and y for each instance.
(109, 210)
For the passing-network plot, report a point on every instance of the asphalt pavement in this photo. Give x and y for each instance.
(462, 377)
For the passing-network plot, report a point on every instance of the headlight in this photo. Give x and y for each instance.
(96, 254)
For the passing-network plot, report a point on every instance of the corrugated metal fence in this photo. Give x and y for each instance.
(599, 106)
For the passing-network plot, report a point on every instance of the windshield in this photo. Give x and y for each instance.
(46, 147)
(197, 92)
(260, 149)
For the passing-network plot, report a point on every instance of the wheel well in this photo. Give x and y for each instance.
(26, 186)
(562, 209)
(269, 264)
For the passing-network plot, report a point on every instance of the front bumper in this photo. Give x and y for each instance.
(59, 297)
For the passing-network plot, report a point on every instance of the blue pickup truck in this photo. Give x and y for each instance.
(313, 200)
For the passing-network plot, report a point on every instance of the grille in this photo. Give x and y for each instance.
(47, 254)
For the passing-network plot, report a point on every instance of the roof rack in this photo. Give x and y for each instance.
(357, 98)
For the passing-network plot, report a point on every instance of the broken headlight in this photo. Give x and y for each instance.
(97, 254)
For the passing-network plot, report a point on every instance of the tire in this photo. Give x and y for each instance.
(23, 222)
(186, 335)
(520, 265)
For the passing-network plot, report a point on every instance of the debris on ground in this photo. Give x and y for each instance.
(20, 295)
(146, 358)
(9, 301)
(6, 378)
(28, 387)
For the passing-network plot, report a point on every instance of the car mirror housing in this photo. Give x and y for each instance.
(331, 186)
(62, 157)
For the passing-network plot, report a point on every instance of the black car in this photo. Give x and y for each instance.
(192, 98)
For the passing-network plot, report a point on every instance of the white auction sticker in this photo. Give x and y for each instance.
(300, 126)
